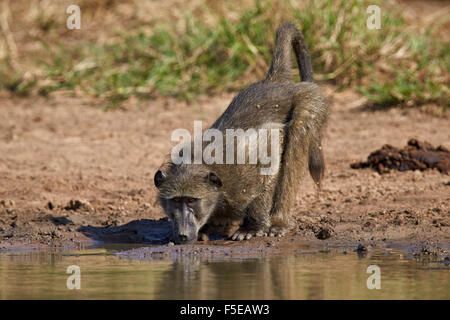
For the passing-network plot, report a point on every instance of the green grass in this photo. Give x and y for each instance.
(391, 66)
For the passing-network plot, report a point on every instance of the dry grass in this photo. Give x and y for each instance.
(143, 49)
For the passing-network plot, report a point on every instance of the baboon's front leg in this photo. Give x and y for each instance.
(257, 219)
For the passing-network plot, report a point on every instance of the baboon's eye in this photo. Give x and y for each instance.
(177, 199)
(191, 200)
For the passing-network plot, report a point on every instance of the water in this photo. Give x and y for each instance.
(42, 275)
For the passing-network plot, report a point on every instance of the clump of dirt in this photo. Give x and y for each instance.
(429, 251)
(416, 155)
(75, 205)
(321, 227)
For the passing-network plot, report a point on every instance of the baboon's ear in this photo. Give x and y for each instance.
(160, 177)
(212, 177)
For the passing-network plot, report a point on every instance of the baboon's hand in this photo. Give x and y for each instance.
(202, 236)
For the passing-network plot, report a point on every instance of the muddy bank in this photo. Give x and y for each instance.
(71, 174)
(425, 251)
(172, 252)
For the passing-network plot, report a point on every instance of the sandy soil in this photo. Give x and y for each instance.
(71, 172)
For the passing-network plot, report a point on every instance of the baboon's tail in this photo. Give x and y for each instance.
(316, 163)
(288, 37)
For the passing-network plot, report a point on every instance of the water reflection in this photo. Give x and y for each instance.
(42, 275)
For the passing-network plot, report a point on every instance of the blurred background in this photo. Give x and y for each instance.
(144, 49)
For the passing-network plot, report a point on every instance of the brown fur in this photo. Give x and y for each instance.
(239, 193)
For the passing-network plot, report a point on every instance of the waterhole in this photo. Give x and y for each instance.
(317, 275)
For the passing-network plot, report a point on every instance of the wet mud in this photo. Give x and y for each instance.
(73, 175)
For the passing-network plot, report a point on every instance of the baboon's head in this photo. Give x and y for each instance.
(189, 195)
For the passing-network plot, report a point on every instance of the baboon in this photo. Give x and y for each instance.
(199, 198)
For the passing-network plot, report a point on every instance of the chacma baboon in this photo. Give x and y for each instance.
(198, 197)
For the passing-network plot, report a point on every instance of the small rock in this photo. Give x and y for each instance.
(7, 203)
(7, 235)
(79, 204)
(55, 234)
(324, 233)
(446, 261)
(146, 205)
(361, 248)
(16, 224)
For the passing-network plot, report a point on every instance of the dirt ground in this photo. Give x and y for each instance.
(73, 173)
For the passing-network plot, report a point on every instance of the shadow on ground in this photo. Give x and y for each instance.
(137, 231)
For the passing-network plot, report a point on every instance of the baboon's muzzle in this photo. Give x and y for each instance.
(183, 239)
(185, 227)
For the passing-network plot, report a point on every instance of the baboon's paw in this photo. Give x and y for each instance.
(243, 234)
(277, 231)
(202, 236)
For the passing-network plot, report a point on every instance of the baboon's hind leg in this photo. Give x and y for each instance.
(309, 114)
